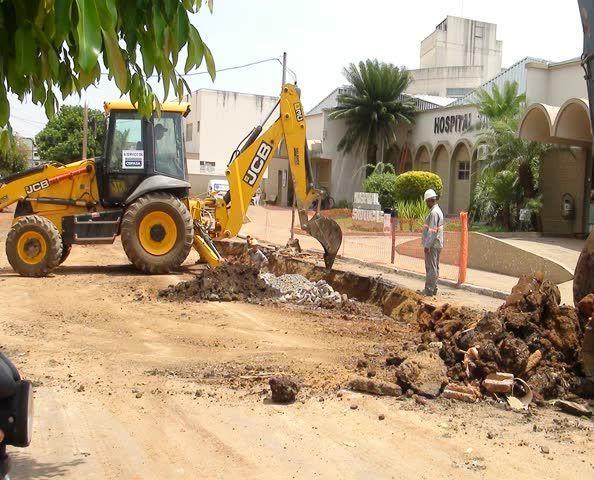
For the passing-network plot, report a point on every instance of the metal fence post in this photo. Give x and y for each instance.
(393, 233)
(463, 263)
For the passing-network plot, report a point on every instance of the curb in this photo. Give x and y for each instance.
(489, 292)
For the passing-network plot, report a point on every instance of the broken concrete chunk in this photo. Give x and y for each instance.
(573, 408)
(463, 393)
(424, 372)
(284, 389)
(499, 382)
(375, 387)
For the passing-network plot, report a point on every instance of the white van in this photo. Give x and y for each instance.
(218, 188)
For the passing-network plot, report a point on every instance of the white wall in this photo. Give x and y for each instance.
(225, 119)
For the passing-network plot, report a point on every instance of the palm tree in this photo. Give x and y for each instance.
(498, 104)
(507, 151)
(373, 107)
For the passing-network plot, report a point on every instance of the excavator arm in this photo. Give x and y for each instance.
(246, 171)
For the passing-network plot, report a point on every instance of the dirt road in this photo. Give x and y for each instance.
(130, 386)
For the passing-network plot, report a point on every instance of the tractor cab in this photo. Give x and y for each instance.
(137, 149)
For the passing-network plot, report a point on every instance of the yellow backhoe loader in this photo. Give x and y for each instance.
(140, 191)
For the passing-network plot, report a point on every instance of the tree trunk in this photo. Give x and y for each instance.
(526, 179)
(371, 158)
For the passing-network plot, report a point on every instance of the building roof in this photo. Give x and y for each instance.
(515, 73)
(439, 101)
(422, 102)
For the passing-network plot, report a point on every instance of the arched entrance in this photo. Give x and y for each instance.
(422, 159)
(460, 177)
(440, 165)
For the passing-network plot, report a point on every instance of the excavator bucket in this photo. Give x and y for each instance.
(328, 233)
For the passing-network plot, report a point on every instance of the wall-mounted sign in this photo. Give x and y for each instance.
(452, 123)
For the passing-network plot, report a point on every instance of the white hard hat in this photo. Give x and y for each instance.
(254, 242)
(430, 194)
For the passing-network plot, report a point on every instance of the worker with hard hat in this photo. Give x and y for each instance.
(432, 242)
(257, 258)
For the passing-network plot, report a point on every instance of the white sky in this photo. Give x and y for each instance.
(322, 36)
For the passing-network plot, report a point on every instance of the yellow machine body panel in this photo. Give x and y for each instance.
(54, 191)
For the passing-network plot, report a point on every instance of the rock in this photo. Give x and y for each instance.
(370, 373)
(544, 449)
(490, 436)
(139, 395)
(284, 389)
(375, 387)
(424, 372)
(420, 400)
(362, 364)
(514, 355)
(396, 359)
(573, 408)
(586, 306)
(406, 311)
(354, 406)
(533, 360)
(381, 416)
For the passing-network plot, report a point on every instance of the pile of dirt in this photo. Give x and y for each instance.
(229, 282)
(530, 336)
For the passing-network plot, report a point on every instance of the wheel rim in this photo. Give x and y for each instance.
(157, 233)
(31, 247)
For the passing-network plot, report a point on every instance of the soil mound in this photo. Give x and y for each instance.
(530, 336)
(229, 282)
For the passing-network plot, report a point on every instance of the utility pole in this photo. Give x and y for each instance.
(85, 130)
(284, 67)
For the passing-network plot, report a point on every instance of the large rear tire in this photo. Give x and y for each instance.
(33, 246)
(157, 232)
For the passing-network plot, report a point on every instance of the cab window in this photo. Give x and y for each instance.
(127, 153)
(168, 146)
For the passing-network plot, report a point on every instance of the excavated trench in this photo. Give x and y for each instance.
(392, 299)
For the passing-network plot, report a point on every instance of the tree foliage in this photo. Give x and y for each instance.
(410, 186)
(48, 45)
(61, 138)
(500, 104)
(14, 158)
(373, 107)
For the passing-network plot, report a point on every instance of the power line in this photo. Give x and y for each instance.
(27, 120)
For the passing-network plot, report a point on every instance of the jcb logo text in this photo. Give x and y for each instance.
(35, 187)
(257, 164)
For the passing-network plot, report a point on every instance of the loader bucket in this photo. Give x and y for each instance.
(328, 233)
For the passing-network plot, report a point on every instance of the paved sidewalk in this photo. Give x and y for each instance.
(272, 224)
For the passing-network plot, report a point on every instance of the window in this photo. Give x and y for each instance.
(189, 132)
(463, 170)
(478, 31)
(457, 92)
(168, 146)
(207, 167)
(127, 139)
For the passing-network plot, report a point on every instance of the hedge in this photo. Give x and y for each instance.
(410, 186)
(385, 185)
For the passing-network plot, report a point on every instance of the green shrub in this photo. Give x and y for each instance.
(385, 185)
(411, 186)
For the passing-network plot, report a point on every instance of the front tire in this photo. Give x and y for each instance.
(33, 246)
(157, 232)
